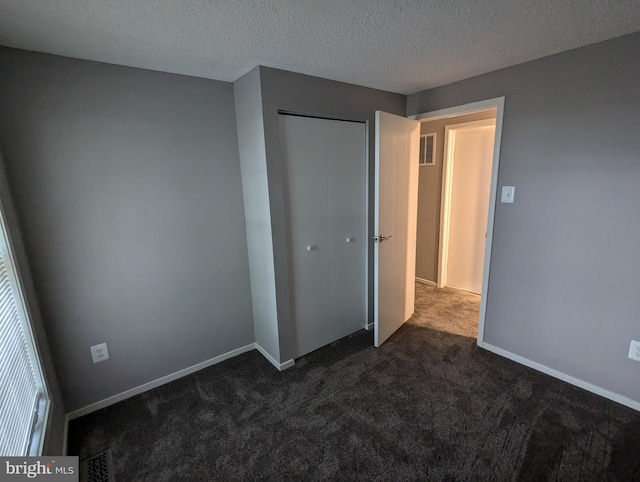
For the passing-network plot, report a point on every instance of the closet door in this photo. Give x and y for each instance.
(303, 144)
(346, 184)
(325, 181)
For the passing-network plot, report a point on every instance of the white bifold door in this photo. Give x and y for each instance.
(324, 164)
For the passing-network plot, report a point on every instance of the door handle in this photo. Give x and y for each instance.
(381, 239)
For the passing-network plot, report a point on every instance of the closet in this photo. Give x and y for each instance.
(324, 168)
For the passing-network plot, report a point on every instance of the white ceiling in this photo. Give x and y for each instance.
(401, 46)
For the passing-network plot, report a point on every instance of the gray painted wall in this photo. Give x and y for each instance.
(54, 440)
(128, 194)
(430, 194)
(564, 283)
(292, 92)
(255, 189)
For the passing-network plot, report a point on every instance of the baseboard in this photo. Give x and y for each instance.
(369, 326)
(156, 383)
(273, 361)
(425, 282)
(621, 399)
(65, 435)
(287, 364)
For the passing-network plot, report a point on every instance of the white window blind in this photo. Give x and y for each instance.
(21, 386)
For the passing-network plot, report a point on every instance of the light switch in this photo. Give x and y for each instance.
(508, 192)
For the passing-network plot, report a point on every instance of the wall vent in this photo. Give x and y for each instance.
(428, 150)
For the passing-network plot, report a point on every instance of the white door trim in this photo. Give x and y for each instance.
(498, 104)
(447, 186)
(368, 233)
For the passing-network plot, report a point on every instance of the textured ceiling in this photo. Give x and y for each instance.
(400, 46)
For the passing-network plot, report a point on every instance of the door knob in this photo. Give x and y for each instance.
(381, 239)
(349, 240)
(310, 248)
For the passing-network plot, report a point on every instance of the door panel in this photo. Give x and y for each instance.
(471, 184)
(346, 183)
(305, 173)
(396, 201)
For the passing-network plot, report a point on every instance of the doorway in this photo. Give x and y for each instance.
(433, 270)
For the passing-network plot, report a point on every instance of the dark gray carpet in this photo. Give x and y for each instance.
(428, 405)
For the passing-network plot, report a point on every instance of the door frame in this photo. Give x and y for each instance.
(447, 189)
(498, 104)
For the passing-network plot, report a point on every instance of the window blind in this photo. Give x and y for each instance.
(21, 386)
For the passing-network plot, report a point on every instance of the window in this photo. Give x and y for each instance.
(24, 401)
(428, 150)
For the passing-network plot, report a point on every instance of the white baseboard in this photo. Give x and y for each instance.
(156, 383)
(369, 326)
(273, 361)
(425, 282)
(563, 376)
(65, 436)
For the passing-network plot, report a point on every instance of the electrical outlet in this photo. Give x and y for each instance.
(99, 353)
(634, 350)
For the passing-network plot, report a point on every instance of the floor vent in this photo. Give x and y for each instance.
(97, 468)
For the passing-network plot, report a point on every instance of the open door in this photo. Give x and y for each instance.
(396, 210)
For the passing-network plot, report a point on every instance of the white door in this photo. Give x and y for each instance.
(325, 180)
(396, 208)
(470, 191)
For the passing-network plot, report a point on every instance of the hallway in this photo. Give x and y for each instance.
(446, 309)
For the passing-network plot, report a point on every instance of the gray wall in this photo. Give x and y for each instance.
(54, 440)
(255, 190)
(429, 196)
(128, 194)
(292, 92)
(564, 282)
